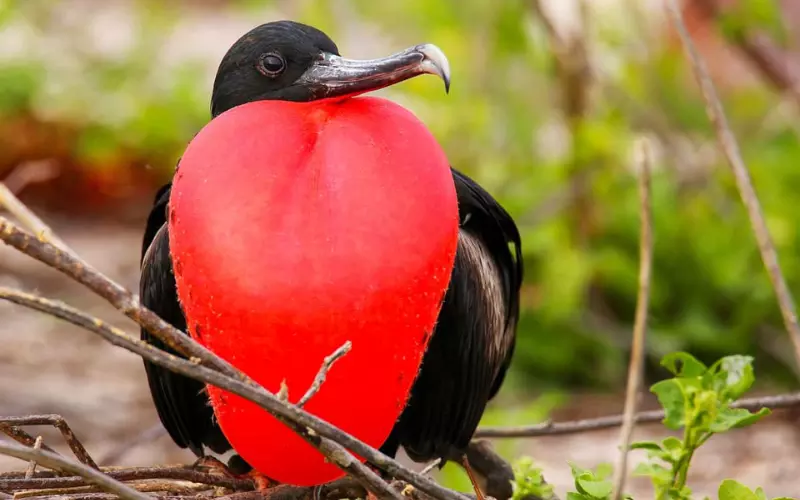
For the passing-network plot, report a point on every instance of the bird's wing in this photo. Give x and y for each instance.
(181, 402)
(474, 339)
(498, 231)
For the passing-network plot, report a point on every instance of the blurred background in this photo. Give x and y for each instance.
(98, 98)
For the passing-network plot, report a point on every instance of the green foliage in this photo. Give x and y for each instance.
(528, 481)
(697, 399)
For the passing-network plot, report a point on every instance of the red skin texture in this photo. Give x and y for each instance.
(295, 227)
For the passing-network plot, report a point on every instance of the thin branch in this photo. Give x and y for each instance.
(168, 487)
(347, 487)
(20, 435)
(790, 400)
(323, 372)
(32, 465)
(296, 418)
(348, 463)
(28, 218)
(57, 462)
(47, 480)
(59, 423)
(428, 468)
(122, 299)
(636, 365)
(730, 148)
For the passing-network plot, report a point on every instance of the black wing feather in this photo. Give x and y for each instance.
(181, 402)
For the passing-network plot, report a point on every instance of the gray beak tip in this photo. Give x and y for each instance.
(435, 63)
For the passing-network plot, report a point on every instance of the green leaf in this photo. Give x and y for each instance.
(733, 376)
(591, 485)
(672, 450)
(577, 496)
(689, 365)
(651, 470)
(576, 470)
(671, 397)
(595, 488)
(645, 445)
(603, 471)
(705, 406)
(732, 490)
(672, 443)
(529, 481)
(728, 418)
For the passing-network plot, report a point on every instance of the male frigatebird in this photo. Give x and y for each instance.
(470, 348)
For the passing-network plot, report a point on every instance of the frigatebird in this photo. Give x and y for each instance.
(471, 346)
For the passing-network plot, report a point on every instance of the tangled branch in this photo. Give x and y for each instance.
(59, 463)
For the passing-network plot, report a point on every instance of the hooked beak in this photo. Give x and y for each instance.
(334, 76)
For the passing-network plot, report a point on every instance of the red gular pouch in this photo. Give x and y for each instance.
(295, 227)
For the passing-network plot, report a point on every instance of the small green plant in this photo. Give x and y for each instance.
(697, 400)
(529, 481)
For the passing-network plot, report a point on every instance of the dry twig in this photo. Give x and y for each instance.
(32, 465)
(15, 481)
(28, 218)
(11, 424)
(20, 435)
(636, 366)
(57, 462)
(730, 148)
(428, 468)
(323, 372)
(790, 400)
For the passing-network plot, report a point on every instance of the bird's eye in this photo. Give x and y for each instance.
(271, 64)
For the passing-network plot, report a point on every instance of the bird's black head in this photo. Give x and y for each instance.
(289, 61)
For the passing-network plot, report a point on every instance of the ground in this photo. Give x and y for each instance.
(49, 367)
